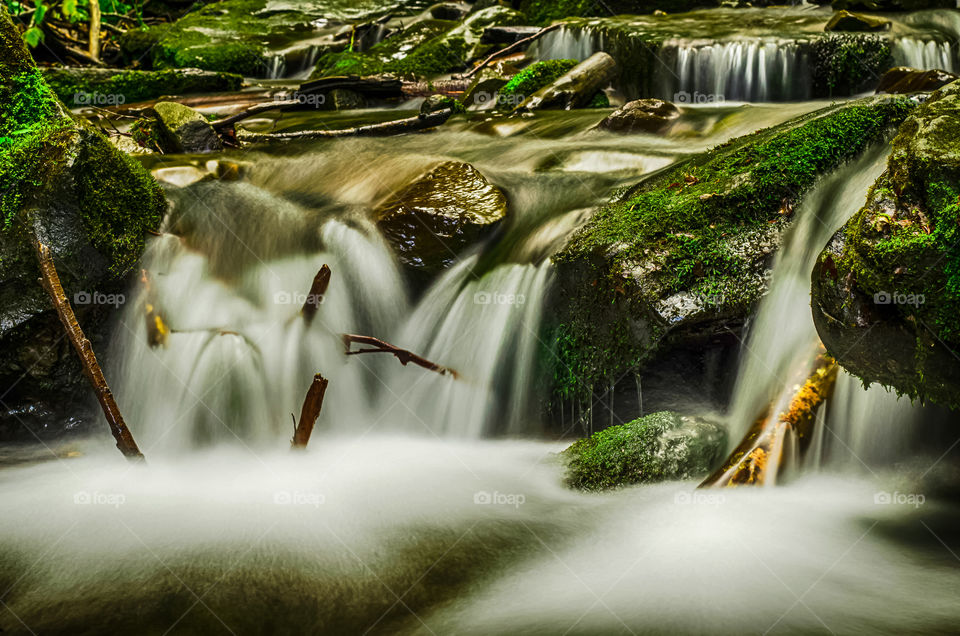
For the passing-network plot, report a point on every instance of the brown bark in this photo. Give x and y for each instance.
(753, 461)
(409, 124)
(509, 49)
(88, 360)
(157, 330)
(402, 355)
(94, 49)
(309, 412)
(317, 290)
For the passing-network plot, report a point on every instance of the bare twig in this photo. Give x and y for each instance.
(509, 49)
(312, 404)
(88, 360)
(319, 287)
(402, 355)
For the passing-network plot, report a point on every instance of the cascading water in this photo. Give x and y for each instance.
(925, 54)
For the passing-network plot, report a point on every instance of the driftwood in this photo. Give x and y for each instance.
(317, 290)
(404, 356)
(509, 49)
(88, 360)
(409, 124)
(309, 412)
(758, 457)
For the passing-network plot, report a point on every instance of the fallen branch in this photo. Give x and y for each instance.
(157, 330)
(315, 298)
(509, 49)
(88, 360)
(410, 124)
(309, 412)
(402, 355)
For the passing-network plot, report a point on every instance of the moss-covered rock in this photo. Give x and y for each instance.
(687, 253)
(642, 115)
(659, 447)
(844, 64)
(64, 182)
(533, 78)
(886, 288)
(903, 79)
(546, 10)
(178, 128)
(441, 212)
(78, 87)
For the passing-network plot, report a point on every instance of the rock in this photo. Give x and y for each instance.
(659, 447)
(544, 11)
(575, 88)
(93, 206)
(530, 80)
(847, 63)
(684, 256)
(180, 129)
(903, 79)
(642, 115)
(893, 5)
(507, 34)
(433, 103)
(88, 86)
(343, 99)
(441, 212)
(454, 11)
(886, 289)
(484, 88)
(846, 21)
(180, 176)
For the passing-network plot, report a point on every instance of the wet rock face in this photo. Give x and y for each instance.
(78, 87)
(92, 205)
(433, 218)
(642, 115)
(181, 129)
(846, 21)
(659, 447)
(886, 289)
(893, 5)
(910, 80)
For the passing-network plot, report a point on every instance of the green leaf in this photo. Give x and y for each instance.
(69, 8)
(39, 13)
(33, 36)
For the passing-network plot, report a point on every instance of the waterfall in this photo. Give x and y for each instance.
(276, 66)
(925, 54)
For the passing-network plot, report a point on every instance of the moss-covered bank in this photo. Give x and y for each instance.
(887, 286)
(689, 250)
(78, 87)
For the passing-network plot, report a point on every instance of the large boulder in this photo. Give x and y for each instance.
(685, 256)
(175, 128)
(432, 219)
(659, 447)
(886, 289)
(63, 182)
(903, 79)
(642, 115)
(846, 21)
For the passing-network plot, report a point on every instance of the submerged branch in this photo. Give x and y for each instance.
(310, 411)
(404, 356)
(409, 124)
(317, 290)
(88, 360)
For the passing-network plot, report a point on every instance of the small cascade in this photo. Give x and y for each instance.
(926, 54)
(566, 44)
(744, 70)
(276, 66)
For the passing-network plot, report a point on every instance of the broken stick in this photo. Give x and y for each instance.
(402, 355)
(88, 361)
(317, 290)
(310, 411)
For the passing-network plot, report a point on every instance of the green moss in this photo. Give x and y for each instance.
(658, 447)
(536, 76)
(135, 86)
(541, 11)
(844, 64)
(682, 224)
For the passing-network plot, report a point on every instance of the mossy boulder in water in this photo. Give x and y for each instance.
(659, 447)
(577, 87)
(432, 219)
(903, 79)
(65, 183)
(642, 115)
(886, 289)
(78, 87)
(176, 128)
(686, 254)
(546, 10)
